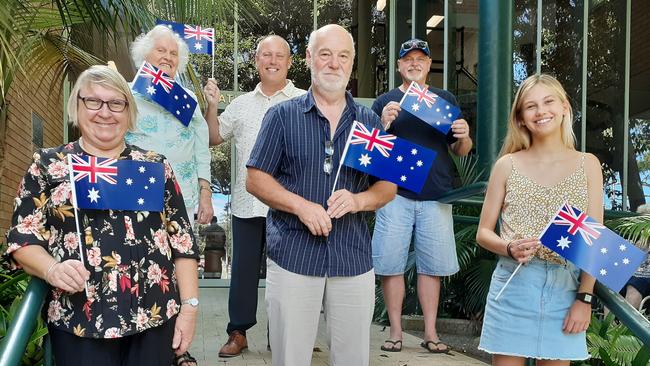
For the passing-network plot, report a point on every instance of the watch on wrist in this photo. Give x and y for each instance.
(585, 297)
(192, 301)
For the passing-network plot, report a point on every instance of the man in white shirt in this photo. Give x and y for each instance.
(241, 121)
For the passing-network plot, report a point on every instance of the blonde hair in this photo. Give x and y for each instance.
(518, 137)
(108, 78)
(143, 44)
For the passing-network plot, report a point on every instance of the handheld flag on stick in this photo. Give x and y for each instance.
(199, 39)
(102, 184)
(592, 247)
(387, 157)
(154, 84)
(429, 107)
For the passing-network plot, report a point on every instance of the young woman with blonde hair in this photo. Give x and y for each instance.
(545, 310)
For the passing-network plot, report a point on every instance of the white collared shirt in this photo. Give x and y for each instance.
(241, 120)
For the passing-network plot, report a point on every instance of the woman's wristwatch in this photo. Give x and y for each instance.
(585, 297)
(192, 301)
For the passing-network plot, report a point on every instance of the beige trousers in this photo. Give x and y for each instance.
(293, 305)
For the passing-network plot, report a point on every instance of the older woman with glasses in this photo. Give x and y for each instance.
(124, 283)
(186, 147)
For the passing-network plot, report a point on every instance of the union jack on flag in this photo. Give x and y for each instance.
(422, 94)
(592, 247)
(93, 169)
(382, 142)
(431, 108)
(577, 222)
(198, 33)
(158, 76)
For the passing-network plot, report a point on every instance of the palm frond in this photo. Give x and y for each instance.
(467, 167)
(635, 229)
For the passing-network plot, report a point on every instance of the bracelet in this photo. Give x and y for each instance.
(508, 248)
(49, 269)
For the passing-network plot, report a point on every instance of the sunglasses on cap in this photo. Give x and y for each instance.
(413, 44)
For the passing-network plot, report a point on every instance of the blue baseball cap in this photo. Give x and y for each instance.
(414, 44)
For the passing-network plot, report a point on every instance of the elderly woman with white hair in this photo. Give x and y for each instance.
(186, 147)
(128, 300)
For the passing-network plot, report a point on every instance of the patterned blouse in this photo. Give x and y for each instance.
(130, 254)
(528, 206)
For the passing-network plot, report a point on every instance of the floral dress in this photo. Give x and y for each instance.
(130, 254)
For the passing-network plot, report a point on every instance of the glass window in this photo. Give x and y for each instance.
(524, 29)
(605, 93)
(37, 131)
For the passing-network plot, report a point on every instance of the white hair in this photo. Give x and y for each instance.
(271, 36)
(143, 44)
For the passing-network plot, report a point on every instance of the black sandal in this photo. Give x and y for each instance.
(394, 347)
(185, 360)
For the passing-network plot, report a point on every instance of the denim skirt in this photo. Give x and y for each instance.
(527, 318)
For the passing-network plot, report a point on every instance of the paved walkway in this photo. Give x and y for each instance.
(211, 334)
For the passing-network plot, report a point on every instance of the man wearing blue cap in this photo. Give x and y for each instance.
(417, 214)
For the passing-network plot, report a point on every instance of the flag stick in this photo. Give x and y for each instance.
(76, 217)
(345, 152)
(214, 35)
(507, 282)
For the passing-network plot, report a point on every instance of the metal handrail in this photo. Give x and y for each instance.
(22, 325)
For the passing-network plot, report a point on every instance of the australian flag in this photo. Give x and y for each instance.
(198, 39)
(129, 185)
(388, 157)
(592, 247)
(162, 89)
(429, 107)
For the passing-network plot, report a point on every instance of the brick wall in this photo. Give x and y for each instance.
(26, 96)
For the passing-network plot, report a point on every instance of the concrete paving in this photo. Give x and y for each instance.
(211, 335)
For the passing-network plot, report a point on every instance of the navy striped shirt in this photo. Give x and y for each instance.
(291, 148)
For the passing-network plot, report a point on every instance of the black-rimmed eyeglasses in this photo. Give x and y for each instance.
(327, 163)
(95, 104)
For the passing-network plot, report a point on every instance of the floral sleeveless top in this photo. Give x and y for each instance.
(528, 206)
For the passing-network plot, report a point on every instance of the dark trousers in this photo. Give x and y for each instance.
(249, 238)
(151, 347)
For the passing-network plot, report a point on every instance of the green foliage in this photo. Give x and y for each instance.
(613, 344)
(635, 229)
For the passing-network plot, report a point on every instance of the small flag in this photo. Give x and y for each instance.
(154, 84)
(592, 247)
(388, 157)
(198, 39)
(429, 107)
(129, 185)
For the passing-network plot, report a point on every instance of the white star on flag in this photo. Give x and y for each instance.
(140, 201)
(93, 195)
(603, 250)
(402, 178)
(622, 247)
(415, 107)
(151, 90)
(437, 109)
(129, 181)
(603, 272)
(563, 242)
(626, 261)
(364, 159)
(414, 151)
(197, 46)
(152, 180)
(142, 169)
(399, 158)
(176, 97)
(419, 163)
